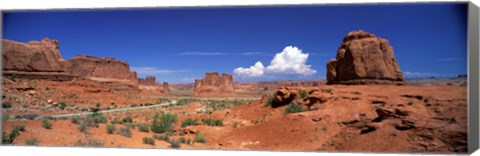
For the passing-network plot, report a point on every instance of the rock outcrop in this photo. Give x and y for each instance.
(148, 81)
(363, 58)
(89, 66)
(33, 60)
(165, 87)
(110, 72)
(214, 84)
(33, 56)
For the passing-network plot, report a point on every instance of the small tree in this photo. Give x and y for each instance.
(163, 123)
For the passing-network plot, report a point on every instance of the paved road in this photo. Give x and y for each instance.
(113, 110)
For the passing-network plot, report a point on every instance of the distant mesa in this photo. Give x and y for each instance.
(214, 84)
(363, 58)
(149, 83)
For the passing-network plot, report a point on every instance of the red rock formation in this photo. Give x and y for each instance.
(33, 56)
(364, 58)
(148, 81)
(33, 60)
(165, 86)
(214, 84)
(89, 66)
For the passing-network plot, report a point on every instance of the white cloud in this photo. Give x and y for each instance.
(254, 71)
(417, 74)
(153, 70)
(291, 61)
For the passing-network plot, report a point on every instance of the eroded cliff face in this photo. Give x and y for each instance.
(89, 66)
(33, 56)
(214, 84)
(363, 58)
(42, 60)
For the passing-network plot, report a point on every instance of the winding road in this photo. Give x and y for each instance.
(113, 110)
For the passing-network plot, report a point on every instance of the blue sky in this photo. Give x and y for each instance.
(178, 45)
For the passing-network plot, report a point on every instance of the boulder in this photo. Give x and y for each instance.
(363, 58)
(283, 96)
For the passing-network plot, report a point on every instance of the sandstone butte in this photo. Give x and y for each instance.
(214, 84)
(42, 59)
(363, 58)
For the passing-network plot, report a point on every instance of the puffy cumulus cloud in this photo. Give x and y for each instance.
(256, 70)
(291, 61)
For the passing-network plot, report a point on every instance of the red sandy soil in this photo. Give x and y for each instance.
(420, 119)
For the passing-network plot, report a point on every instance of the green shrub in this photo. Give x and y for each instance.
(5, 117)
(127, 119)
(148, 140)
(189, 122)
(90, 142)
(125, 131)
(174, 143)
(234, 125)
(200, 138)
(292, 108)
(212, 122)
(116, 121)
(161, 137)
(163, 123)
(20, 127)
(99, 118)
(32, 141)
(76, 120)
(182, 140)
(6, 105)
(111, 129)
(14, 133)
(62, 105)
(143, 128)
(129, 125)
(302, 93)
(46, 124)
